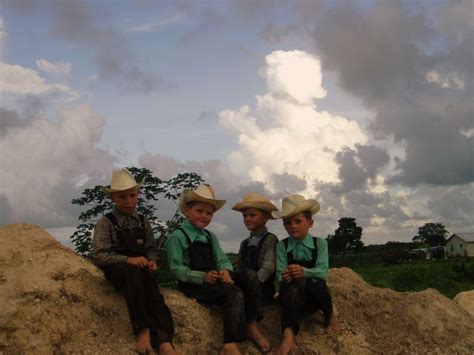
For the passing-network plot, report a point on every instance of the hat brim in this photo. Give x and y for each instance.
(189, 196)
(308, 205)
(110, 190)
(259, 205)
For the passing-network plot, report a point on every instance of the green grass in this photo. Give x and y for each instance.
(447, 276)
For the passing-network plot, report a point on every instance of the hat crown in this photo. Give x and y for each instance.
(122, 180)
(205, 191)
(292, 201)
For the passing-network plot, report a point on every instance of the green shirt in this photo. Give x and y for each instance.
(302, 251)
(177, 250)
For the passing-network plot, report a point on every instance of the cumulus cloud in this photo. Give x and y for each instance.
(56, 68)
(43, 162)
(15, 79)
(298, 139)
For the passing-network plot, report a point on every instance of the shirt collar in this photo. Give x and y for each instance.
(306, 241)
(190, 229)
(260, 233)
(123, 216)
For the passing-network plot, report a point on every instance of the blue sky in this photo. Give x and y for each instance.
(341, 101)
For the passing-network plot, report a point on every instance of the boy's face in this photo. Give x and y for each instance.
(200, 214)
(125, 201)
(297, 226)
(254, 219)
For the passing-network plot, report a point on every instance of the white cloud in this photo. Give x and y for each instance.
(42, 162)
(15, 79)
(448, 81)
(295, 74)
(299, 140)
(56, 68)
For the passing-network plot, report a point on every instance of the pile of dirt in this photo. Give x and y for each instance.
(53, 301)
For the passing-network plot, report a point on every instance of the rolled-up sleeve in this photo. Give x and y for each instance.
(281, 260)
(150, 242)
(268, 263)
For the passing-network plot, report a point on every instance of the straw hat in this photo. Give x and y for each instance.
(254, 200)
(121, 180)
(203, 193)
(294, 204)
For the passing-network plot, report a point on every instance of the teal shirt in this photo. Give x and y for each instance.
(302, 251)
(177, 246)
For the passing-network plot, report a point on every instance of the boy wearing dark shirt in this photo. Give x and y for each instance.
(257, 252)
(124, 248)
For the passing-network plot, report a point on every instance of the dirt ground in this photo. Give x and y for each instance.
(54, 302)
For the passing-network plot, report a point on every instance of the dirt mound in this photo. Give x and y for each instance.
(53, 301)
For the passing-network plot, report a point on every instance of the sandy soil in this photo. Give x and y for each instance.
(54, 302)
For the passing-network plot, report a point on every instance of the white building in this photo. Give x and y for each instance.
(460, 244)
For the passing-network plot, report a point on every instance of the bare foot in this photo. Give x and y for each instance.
(288, 343)
(333, 326)
(229, 349)
(257, 338)
(143, 342)
(167, 349)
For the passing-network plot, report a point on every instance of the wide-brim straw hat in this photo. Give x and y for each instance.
(122, 180)
(294, 204)
(203, 193)
(254, 200)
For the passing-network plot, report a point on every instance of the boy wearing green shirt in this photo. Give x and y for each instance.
(204, 272)
(301, 269)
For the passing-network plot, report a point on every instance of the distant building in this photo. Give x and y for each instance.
(460, 244)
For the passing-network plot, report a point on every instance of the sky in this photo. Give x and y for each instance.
(365, 106)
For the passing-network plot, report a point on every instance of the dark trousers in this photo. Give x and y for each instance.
(230, 298)
(145, 303)
(248, 282)
(304, 295)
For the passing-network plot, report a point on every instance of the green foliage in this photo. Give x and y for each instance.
(346, 238)
(447, 276)
(98, 204)
(432, 234)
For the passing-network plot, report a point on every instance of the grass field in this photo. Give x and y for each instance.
(447, 276)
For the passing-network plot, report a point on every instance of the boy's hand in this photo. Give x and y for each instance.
(211, 277)
(296, 271)
(224, 276)
(152, 265)
(287, 276)
(139, 261)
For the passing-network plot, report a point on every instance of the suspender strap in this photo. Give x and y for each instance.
(314, 251)
(208, 235)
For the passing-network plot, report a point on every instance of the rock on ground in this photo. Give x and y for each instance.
(53, 301)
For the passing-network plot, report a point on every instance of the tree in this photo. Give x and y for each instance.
(433, 234)
(346, 238)
(151, 188)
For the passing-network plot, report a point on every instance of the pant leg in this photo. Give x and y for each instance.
(129, 280)
(230, 298)
(319, 297)
(158, 310)
(292, 298)
(247, 280)
(268, 290)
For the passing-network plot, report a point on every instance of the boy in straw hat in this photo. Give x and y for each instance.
(124, 247)
(257, 252)
(301, 269)
(204, 272)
